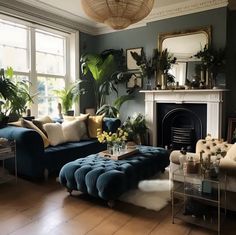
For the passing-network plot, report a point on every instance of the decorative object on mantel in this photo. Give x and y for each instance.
(117, 14)
(212, 63)
(147, 66)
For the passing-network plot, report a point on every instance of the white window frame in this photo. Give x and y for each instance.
(71, 62)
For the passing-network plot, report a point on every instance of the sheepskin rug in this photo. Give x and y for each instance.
(152, 194)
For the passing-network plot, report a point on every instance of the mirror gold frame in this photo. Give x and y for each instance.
(184, 69)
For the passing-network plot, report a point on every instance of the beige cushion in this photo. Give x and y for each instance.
(83, 120)
(17, 123)
(39, 124)
(231, 153)
(44, 120)
(72, 130)
(55, 133)
(30, 125)
(94, 123)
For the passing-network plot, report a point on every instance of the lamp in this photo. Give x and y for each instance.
(118, 14)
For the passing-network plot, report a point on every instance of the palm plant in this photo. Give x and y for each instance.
(68, 96)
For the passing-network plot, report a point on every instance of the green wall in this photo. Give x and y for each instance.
(147, 36)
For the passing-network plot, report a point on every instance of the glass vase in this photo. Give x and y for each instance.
(110, 148)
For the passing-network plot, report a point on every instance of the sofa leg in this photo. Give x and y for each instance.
(45, 174)
(111, 203)
(69, 190)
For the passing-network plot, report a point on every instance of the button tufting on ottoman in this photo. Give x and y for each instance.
(107, 178)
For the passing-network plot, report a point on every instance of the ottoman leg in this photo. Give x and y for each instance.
(111, 203)
(69, 191)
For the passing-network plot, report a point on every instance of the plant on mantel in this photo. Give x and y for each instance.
(212, 60)
(159, 63)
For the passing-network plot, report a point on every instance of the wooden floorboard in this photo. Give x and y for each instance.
(45, 208)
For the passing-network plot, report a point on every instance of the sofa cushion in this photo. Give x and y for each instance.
(83, 118)
(55, 133)
(39, 124)
(111, 124)
(45, 119)
(73, 130)
(30, 125)
(94, 123)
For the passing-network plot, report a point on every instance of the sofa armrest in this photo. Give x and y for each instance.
(111, 124)
(29, 150)
(228, 166)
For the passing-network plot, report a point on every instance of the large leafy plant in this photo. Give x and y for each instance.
(14, 95)
(101, 66)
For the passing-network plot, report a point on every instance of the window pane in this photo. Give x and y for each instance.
(50, 53)
(13, 35)
(13, 46)
(47, 100)
(14, 57)
(49, 43)
(49, 64)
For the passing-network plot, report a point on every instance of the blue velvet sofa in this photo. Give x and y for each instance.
(33, 160)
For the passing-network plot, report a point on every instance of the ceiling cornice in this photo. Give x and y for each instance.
(54, 15)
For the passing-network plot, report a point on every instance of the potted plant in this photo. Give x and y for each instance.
(102, 67)
(14, 96)
(160, 63)
(68, 96)
(136, 128)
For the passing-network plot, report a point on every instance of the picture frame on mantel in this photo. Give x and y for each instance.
(130, 61)
(231, 133)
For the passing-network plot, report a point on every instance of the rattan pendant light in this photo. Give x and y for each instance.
(118, 14)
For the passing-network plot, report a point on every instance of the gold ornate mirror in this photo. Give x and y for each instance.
(184, 45)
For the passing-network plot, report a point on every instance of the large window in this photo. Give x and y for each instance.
(51, 69)
(38, 55)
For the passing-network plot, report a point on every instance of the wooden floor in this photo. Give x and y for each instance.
(28, 208)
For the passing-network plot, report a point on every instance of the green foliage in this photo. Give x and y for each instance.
(14, 95)
(103, 68)
(212, 59)
(108, 110)
(135, 127)
(68, 96)
(159, 62)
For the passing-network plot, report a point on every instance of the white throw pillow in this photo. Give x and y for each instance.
(55, 133)
(82, 125)
(72, 130)
(231, 153)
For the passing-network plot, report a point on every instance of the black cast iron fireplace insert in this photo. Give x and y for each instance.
(180, 125)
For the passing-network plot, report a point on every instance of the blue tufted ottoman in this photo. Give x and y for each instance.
(107, 178)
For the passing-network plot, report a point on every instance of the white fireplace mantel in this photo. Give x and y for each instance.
(213, 98)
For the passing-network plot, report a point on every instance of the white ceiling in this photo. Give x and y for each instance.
(72, 10)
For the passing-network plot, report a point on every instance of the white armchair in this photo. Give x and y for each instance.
(227, 166)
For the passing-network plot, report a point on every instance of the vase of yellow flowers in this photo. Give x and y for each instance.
(115, 141)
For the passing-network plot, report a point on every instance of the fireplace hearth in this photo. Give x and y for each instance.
(180, 125)
(212, 99)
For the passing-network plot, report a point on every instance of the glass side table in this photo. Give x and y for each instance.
(7, 151)
(197, 200)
